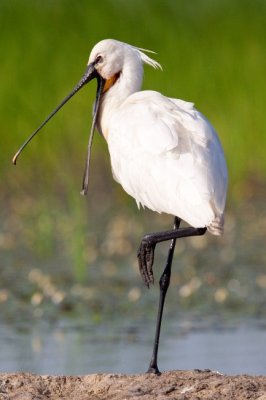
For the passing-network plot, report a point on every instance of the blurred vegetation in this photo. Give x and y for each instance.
(213, 53)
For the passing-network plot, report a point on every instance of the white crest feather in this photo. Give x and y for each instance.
(146, 59)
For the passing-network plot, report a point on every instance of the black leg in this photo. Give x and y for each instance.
(146, 257)
(148, 243)
(164, 284)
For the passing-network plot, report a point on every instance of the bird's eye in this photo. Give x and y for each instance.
(98, 60)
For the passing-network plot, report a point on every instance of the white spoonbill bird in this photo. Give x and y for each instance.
(163, 151)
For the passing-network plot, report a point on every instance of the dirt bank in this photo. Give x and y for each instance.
(178, 385)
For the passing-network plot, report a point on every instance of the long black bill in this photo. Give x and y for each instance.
(100, 86)
(90, 74)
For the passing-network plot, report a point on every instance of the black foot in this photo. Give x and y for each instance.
(154, 370)
(145, 258)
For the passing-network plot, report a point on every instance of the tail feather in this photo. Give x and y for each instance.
(216, 227)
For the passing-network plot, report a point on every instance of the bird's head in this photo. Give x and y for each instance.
(110, 58)
(106, 62)
(107, 57)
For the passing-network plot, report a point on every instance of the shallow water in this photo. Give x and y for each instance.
(70, 348)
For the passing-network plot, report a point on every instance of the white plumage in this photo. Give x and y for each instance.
(163, 151)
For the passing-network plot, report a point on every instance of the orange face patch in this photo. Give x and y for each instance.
(110, 82)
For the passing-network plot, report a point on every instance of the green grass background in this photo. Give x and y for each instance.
(213, 53)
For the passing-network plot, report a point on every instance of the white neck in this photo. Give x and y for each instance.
(129, 82)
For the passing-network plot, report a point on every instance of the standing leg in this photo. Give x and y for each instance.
(164, 284)
(146, 257)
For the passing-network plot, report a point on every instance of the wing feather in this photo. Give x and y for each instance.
(162, 145)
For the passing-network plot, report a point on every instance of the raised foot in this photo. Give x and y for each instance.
(145, 259)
